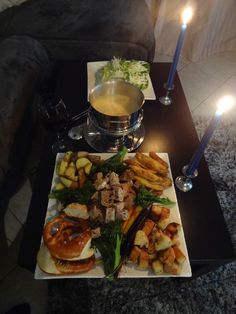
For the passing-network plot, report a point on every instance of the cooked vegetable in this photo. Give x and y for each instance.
(145, 198)
(132, 71)
(108, 245)
(127, 244)
(67, 196)
(115, 163)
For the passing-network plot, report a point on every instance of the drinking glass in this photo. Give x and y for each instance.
(55, 118)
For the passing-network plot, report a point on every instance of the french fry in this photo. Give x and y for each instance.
(132, 162)
(159, 159)
(152, 164)
(135, 162)
(150, 176)
(149, 184)
(144, 173)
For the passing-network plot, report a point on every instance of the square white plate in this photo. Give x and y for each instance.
(128, 270)
(93, 67)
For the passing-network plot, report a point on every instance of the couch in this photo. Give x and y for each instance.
(37, 33)
(84, 29)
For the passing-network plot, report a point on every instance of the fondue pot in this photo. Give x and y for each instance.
(114, 118)
(116, 107)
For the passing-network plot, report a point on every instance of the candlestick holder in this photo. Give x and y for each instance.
(166, 100)
(184, 183)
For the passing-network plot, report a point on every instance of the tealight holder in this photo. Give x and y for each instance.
(166, 100)
(184, 183)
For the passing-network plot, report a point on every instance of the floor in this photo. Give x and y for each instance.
(203, 82)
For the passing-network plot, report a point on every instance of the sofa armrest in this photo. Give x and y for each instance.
(23, 64)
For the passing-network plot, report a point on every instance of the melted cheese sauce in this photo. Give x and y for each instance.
(115, 105)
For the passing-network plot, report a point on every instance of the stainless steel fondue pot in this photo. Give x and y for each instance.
(116, 125)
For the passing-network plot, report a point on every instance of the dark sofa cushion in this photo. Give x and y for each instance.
(23, 63)
(90, 28)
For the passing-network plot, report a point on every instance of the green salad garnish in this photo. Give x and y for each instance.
(132, 71)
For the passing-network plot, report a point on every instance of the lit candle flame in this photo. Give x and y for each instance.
(187, 15)
(224, 104)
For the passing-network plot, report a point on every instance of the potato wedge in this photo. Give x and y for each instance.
(82, 177)
(67, 156)
(151, 163)
(82, 154)
(59, 186)
(70, 173)
(87, 168)
(69, 183)
(62, 167)
(82, 162)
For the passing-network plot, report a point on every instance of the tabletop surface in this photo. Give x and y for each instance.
(168, 129)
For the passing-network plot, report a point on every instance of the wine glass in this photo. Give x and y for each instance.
(55, 118)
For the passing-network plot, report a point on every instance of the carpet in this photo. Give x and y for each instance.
(214, 292)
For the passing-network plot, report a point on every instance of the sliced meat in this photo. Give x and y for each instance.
(114, 179)
(129, 200)
(100, 182)
(95, 213)
(110, 214)
(106, 199)
(122, 214)
(96, 232)
(127, 176)
(118, 193)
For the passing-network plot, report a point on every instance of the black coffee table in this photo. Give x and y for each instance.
(168, 129)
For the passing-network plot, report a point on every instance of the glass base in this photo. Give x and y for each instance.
(183, 183)
(62, 146)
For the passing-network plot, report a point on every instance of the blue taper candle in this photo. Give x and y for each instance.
(194, 162)
(175, 61)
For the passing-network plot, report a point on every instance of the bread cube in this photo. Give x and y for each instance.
(156, 212)
(173, 269)
(141, 239)
(157, 267)
(162, 223)
(167, 256)
(134, 255)
(148, 226)
(164, 242)
(143, 260)
(173, 227)
(179, 255)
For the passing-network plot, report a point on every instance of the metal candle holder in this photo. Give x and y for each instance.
(184, 183)
(166, 100)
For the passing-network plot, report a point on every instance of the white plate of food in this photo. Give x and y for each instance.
(158, 248)
(94, 67)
